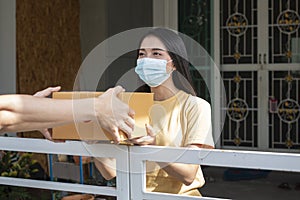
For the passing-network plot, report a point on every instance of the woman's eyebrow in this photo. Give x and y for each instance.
(158, 49)
(153, 49)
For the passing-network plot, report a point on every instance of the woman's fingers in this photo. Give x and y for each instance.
(149, 139)
(144, 140)
(150, 130)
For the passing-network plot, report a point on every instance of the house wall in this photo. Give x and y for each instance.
(93, 24)
(7, 46)
(100, 20)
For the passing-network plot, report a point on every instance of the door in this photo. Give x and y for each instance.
(259, 58)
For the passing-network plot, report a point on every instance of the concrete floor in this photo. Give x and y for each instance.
(262, 188)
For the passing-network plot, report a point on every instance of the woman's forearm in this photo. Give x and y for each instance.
(106, 166)
(185, 173)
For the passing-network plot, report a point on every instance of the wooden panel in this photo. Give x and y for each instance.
(48, 47)
(48, 44)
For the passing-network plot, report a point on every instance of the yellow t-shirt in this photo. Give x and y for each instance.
(178, 122)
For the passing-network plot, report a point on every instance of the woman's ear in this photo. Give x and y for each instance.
(173, 66)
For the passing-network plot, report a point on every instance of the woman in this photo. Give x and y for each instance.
(178, 118)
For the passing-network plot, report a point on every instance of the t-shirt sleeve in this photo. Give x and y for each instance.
(198, 122)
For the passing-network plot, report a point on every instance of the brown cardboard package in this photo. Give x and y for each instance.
(139, 102)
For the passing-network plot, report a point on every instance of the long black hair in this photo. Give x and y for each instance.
(177, 51)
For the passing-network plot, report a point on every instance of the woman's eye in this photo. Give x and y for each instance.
(157, 54)
(141, 54)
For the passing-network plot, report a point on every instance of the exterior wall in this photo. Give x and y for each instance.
(118, 16)
(7, 46)
(93, 23)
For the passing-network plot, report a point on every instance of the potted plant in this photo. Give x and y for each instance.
(18, 165)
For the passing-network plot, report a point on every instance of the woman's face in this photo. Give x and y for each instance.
(152, 47)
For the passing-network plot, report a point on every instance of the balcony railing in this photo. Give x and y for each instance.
(131, 164)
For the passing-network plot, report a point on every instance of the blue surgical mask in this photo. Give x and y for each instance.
(152, 71)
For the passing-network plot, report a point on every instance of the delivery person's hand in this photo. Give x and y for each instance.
(113, 114)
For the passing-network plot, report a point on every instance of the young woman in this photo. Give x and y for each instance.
(26, 112)
(179, 118)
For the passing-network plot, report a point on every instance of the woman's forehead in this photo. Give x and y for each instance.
(152, 42)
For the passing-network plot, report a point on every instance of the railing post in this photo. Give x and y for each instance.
(137, 175)
(123, 177)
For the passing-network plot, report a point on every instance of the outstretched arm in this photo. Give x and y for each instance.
(25, 112)
(45, 93)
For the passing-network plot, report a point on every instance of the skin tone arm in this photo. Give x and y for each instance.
(185, 173)
(45, 93)
(25, 112)
(106, 166)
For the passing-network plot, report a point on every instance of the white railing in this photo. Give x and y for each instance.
(71, 148)
(131, 164)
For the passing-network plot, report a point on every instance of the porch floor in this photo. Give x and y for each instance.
(260, 188)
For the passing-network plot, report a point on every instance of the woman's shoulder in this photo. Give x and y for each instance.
(194, 103)
(197, 101)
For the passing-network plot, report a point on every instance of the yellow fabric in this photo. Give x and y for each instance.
(178, 122)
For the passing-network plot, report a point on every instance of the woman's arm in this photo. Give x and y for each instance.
(185, 173)
(106, 166)
(199, 135)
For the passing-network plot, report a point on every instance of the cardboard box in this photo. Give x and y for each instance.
(139, 102)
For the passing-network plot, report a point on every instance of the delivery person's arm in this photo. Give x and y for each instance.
(25, 112)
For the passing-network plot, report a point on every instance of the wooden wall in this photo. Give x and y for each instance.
(48, 47)
(48, 44)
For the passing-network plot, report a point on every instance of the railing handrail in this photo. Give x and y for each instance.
(131, 172)
(71, 148)
(289, 162)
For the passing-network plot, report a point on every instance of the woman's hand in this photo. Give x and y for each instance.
(44, 93)
(149, 139)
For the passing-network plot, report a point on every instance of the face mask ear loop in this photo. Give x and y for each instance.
(169, 61)
(173, 68)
